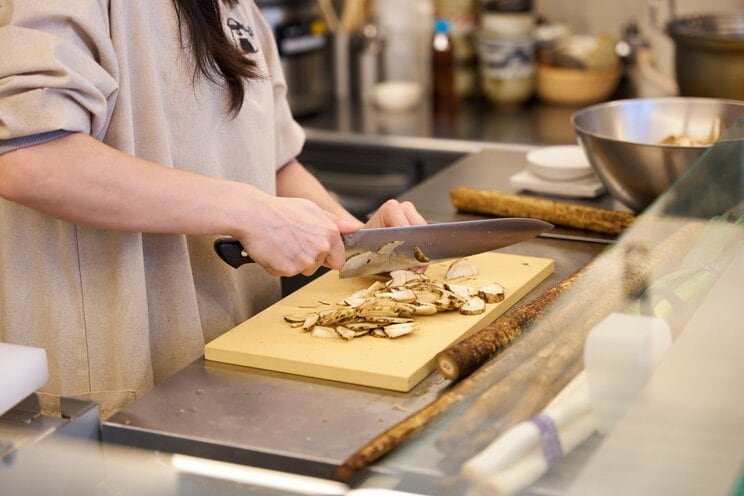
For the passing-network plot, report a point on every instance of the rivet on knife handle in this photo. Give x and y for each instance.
(231, 252)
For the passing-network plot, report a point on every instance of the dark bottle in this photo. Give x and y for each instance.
(443, 88)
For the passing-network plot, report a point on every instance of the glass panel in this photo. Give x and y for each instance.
(644, 351)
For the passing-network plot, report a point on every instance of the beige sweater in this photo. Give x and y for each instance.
(118, 312)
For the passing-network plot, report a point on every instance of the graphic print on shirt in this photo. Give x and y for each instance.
(242, 35)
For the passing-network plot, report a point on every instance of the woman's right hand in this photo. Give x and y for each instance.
(86, 182)
(290, 236)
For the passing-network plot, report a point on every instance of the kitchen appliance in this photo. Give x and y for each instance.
(304, 48)
(266, 341)
(372, 251)
(623, 141)
(709, 51)
(709, 58)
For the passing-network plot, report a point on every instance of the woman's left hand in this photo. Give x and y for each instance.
(393, 213)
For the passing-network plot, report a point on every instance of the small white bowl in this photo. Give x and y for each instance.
(397, 95)
(559, 163)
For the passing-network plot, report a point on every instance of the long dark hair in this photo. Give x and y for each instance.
(216, 58)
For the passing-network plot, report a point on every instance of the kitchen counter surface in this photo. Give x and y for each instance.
(365, 156)
(477, 123)
(305, 425)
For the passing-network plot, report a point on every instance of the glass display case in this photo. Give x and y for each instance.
(630, 383)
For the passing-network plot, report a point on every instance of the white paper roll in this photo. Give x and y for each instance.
(571, 414)
(620, 355)
(23, 370)
(532, 465)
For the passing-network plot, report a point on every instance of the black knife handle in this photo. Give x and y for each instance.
(231, 252)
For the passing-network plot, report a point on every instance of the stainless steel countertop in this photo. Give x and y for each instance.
(475, 125)
(491, 169)
(304, 425)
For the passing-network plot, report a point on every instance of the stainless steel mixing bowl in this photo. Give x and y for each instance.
(622, 141)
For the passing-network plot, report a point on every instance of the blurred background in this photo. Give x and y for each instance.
(390, 92)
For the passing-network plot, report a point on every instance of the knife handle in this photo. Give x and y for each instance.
(231, 252)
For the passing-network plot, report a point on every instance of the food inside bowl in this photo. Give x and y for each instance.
(687, 140)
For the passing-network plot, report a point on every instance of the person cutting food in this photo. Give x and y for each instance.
(132, 134)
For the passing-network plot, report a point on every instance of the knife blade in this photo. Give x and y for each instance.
(376, 250)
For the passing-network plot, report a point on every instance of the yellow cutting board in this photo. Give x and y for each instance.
(265, 341)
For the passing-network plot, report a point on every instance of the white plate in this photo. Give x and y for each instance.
(559, 163)
(585, 187)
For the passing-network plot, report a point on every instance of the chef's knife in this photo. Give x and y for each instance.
(376, 250)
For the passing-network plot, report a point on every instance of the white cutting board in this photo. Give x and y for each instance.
(265, 341)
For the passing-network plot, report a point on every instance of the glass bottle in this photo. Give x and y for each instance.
(444, 93)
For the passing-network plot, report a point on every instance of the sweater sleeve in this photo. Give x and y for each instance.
(60, 71)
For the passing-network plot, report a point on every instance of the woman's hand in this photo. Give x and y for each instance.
(289, 236)
(393, 213)
(294, 182)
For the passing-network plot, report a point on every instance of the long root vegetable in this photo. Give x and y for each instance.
(471, 386)
(485, 379)
(529, 387)
(552, 349)
(564, 214)
(464, 357)
(395, 435)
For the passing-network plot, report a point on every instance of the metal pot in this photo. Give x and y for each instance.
(709, 53)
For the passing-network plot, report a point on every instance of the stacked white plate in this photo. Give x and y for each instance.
(559, 170)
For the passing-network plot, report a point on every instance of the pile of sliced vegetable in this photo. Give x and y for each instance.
(388, 309)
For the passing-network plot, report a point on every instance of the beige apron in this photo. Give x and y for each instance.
(118, 312)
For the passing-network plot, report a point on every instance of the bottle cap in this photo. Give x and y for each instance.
(441, 26)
